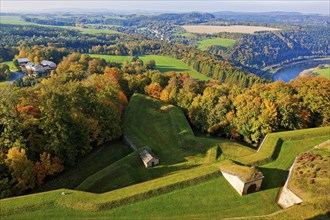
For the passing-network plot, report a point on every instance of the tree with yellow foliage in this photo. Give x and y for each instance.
(21, 168)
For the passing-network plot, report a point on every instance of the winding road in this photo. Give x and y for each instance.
(15, 76)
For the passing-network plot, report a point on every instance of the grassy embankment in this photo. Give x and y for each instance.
(164, 128)
(17, 20)
(197, 192)
(163, 64)
(215, 42)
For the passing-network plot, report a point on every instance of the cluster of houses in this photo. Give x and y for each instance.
(33, 68)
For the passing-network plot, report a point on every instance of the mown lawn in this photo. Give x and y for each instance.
(210, 199)
(189, 184)
(163, 64)
(97, 160)
(224, 42)
(165, 129)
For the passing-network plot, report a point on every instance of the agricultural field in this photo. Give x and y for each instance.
(188, 35)
(223, 42)
(11, 19)
(209, 29)
(191, 185)
(17, 20)
(163, 64)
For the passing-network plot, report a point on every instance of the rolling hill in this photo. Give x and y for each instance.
(187, 184)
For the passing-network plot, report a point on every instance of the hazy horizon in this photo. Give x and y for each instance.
(306, 7)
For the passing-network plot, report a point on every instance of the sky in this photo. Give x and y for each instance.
(304, 6)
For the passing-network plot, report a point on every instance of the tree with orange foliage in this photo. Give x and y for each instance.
(154, 90)
(47, 166)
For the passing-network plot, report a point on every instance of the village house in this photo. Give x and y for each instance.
(244, 179)
(33, 68)
(48, 65)
(22, 61)
(148, 158)
(36, 68)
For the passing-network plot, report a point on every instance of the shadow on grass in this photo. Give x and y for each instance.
(274, 178)
(170, 68)
(126, 176)
(321, 217)
(277, 149)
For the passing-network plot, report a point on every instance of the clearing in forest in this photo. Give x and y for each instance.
(163, 63)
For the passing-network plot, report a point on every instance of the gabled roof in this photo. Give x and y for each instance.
(244, 173)
(30, 64)
(47, 62)
(23, 60)
(147, 155)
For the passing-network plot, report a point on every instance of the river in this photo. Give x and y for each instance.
(292, 71)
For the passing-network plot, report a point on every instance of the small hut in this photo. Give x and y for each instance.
(244, 179)
(148, 158)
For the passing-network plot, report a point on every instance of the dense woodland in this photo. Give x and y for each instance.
(268, 48)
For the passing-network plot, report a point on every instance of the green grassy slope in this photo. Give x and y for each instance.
(97, 160)
(325, 72)
(163, 64)
(213, 198)
(191, 185)
(11, 65)
(216, 42)
(165, 129)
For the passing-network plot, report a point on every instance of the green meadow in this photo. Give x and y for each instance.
(163, 64)
(215, 42)
(11, 65)
(325, 72)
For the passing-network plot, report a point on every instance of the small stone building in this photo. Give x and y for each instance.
(244, 179)
(148, 158)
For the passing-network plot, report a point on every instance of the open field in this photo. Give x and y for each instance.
(163, 64)
(10, 19)
(208, 29)
(18, 21)
(216, 42)
(11, 65)
(192, 187)
(188, 35)
(325, 72)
